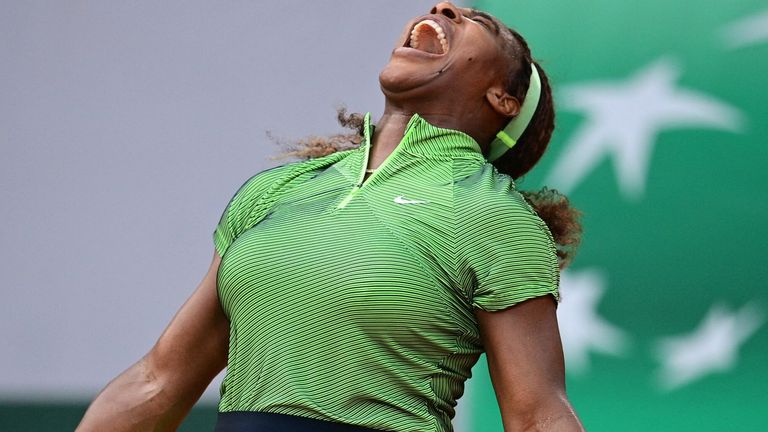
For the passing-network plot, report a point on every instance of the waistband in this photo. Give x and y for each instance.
(247, 421)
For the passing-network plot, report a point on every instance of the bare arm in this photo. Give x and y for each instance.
(525, 360)
(157, 392)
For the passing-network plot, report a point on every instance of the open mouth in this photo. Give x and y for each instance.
(428, 36)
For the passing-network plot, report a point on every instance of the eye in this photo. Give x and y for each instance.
(482, 21)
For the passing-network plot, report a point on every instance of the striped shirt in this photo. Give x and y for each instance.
(352, 299)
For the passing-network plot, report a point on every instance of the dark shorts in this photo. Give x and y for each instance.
(243, 421)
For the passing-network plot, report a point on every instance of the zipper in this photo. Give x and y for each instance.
(362, 181)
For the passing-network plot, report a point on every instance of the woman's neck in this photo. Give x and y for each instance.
(387, 135)
(390, 129)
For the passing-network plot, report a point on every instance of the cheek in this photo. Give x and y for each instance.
(483, 53)
(482, 69)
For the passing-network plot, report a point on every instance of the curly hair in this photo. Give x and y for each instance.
(318, 146)
(551, 206)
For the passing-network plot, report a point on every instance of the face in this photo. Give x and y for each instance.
(451, 50)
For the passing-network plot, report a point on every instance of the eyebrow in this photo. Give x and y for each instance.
(474, 12)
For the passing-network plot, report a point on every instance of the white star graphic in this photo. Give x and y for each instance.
(623, 120)
(712, 347)
(752, 30)
(581, 328)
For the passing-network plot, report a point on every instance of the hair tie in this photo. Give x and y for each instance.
(507, 138)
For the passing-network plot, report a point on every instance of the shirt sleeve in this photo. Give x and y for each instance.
(238, 214)
(507, 253)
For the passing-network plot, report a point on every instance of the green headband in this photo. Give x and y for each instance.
(507, 138)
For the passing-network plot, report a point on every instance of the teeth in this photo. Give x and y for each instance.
(436, 27)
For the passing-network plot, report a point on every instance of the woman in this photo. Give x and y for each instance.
(355, 291)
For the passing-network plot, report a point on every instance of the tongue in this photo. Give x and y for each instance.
(428, 40)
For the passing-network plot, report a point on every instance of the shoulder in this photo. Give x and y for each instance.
(490, 212)
(261, 182)
(481, 191)
(259, 193)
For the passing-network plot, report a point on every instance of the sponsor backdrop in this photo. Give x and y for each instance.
(126, 127)
(662, 143)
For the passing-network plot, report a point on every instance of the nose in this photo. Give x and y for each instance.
(447, 9)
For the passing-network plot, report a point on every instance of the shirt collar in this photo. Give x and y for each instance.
(421, 141)
(425, 140)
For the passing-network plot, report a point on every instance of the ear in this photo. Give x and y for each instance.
(502, 102)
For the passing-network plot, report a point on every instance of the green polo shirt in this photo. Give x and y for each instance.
(353, 300)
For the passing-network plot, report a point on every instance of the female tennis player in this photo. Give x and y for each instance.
(355, 291)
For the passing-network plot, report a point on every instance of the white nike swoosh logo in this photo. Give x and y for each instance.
(402, 200)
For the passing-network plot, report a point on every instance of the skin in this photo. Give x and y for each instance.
(461, 89)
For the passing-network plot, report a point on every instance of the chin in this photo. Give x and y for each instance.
(399, 77)
(395, 80)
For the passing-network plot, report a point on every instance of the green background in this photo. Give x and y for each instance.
(695, 237)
